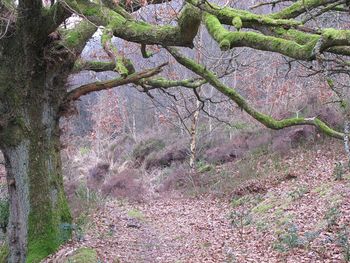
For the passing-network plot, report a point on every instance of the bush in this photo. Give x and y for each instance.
(142, 150)
(124, 185)
(166, 157)
(97, 176)
(289, 239)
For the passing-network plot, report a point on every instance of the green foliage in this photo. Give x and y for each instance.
(247, 200)
(288, 239)
(4, 214)
(264, 206)
(240, 218)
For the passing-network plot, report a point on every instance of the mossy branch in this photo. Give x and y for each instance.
(156, 83)
(231, 93)
(98, 66)
(113, 53)
(141, 32)
(300, 7)
(104, 85)
(144, 52)
(76, 38)
(227, 14)
(228, 39)
(55, 16)
(301, 46)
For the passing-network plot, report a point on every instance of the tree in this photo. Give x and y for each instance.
(38, 51)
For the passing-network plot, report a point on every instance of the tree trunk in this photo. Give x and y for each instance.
(193, 142)
(39, 214)
(30, 97)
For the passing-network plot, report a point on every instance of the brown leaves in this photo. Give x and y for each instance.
(292, 214)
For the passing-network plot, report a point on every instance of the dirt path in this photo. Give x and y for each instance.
(163, 230)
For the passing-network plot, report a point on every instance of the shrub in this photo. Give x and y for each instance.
(289, 239)
(176, 178)
(166, 157)
(227, 152)
(142, 150)
(97, 176)
(124, 185)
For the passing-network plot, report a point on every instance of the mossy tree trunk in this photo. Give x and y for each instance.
(31, 92)
(38, 206)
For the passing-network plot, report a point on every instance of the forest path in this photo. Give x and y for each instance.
(165, 229)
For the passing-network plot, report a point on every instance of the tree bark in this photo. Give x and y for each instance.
(31, 92)
(39, 214)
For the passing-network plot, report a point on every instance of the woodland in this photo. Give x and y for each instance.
(174, 131)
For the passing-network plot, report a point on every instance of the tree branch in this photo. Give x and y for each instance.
(97, 66)
(141, 32)
(299, 8)
(104, 85)
(112, 52)
(55, 16)
(228, 39)
(76, 38)
(266, 120)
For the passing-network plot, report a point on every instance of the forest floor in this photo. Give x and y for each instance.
(304, 217)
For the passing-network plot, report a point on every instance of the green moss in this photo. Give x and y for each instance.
(91, 11)
(256, 40)
(4, 214)
(83, 255)
(77, 36)
(225, 45)
(237, 22)
(297, 8)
